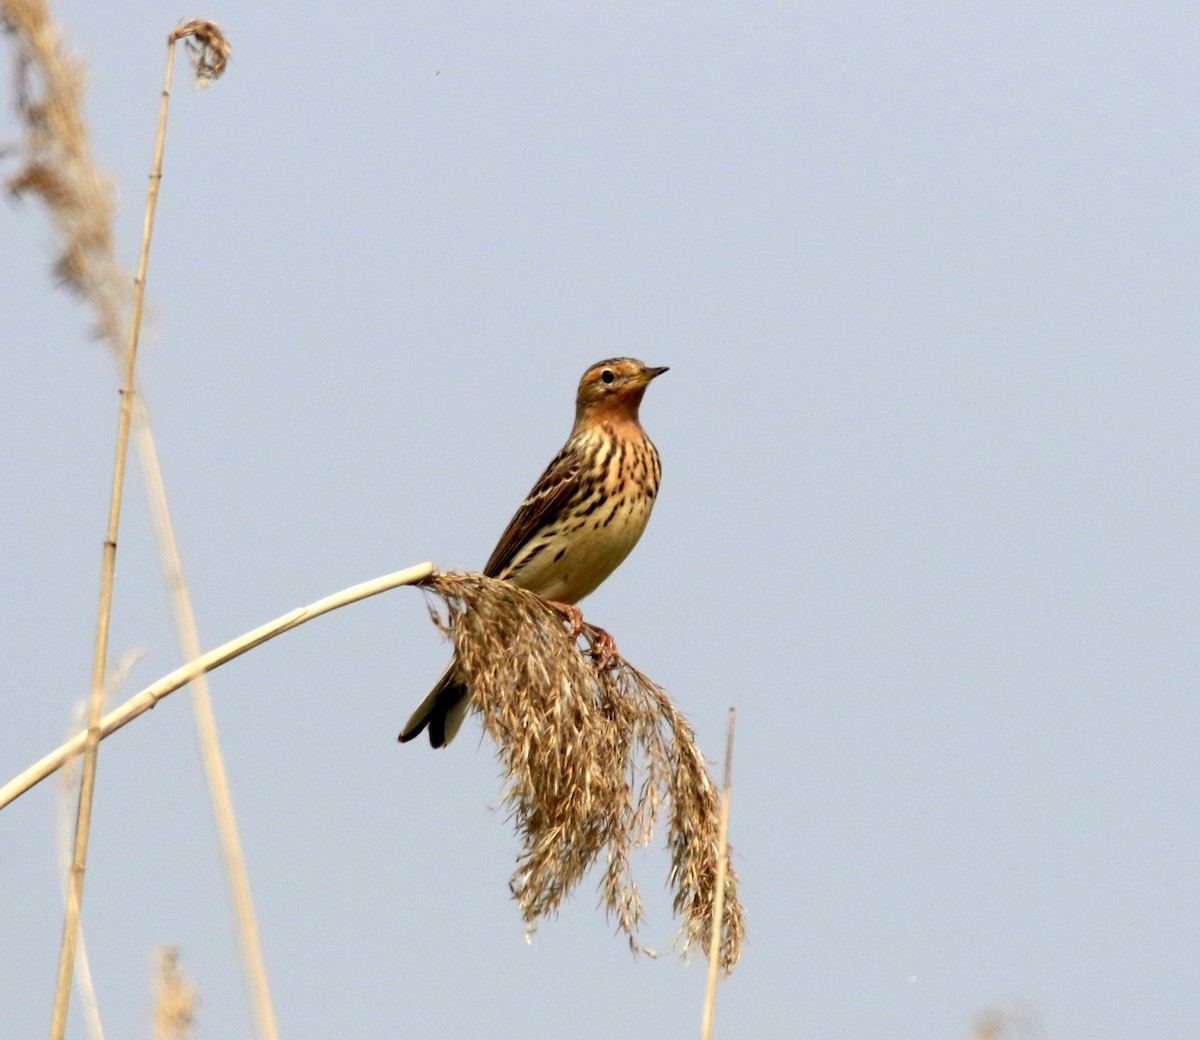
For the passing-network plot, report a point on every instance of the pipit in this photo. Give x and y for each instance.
(582, 518)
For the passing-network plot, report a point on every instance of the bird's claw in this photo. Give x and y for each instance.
(604, 647)
(573, 615)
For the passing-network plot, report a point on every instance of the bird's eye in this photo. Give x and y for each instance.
(606, 376)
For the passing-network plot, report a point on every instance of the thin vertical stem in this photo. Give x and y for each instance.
(87, 785)
(206, 726)
(714, 942)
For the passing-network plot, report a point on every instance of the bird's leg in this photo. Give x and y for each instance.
(572, 613)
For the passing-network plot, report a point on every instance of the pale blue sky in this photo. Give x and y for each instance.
(926, 278)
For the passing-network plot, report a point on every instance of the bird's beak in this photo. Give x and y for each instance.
(652, 373)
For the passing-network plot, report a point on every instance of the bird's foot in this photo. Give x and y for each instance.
(604, 647)
(572, 613)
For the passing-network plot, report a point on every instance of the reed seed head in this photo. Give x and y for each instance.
(207, 48)
(590, 754)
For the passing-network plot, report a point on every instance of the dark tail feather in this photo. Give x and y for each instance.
(443, 711)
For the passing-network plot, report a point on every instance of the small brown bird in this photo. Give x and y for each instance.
(582, 518)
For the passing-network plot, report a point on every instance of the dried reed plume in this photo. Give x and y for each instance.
(174, 999)
(590, 751)
(58, 166)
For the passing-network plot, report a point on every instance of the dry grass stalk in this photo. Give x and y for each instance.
(589, 754)
(206, 728)
(68, 778)
(91, 749)
(59, 168)
(174, 999)
(714, 950)
(168, 684)
(84, 984)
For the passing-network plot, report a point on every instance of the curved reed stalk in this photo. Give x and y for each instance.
(168, 684)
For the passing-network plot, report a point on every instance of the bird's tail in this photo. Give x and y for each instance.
(443, 711)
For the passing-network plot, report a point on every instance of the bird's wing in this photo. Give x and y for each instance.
(552, 491)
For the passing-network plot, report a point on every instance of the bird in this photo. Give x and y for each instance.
(583, 517)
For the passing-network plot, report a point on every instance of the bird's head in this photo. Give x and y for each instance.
(610, 391)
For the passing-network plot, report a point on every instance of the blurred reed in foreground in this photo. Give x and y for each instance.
(57, 166)
(174, 998)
